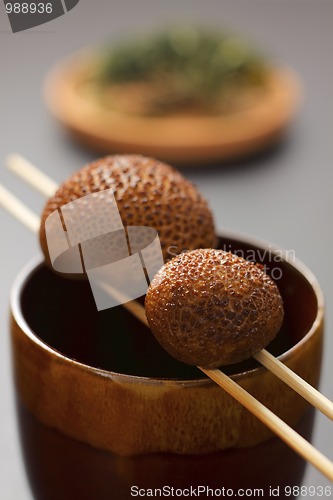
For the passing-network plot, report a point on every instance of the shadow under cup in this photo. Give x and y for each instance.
(104, 412)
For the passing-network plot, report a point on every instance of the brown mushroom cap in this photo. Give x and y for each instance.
(148, 193)
(211, 308)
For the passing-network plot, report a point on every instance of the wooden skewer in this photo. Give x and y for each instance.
(272, 421)
(294, 381)
(18, 210)
(132, 306)
(278, 426)
(47, 186)
(31, 174)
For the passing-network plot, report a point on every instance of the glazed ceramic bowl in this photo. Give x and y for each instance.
(105, 413)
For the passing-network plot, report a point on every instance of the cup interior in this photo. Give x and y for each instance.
(61, 314)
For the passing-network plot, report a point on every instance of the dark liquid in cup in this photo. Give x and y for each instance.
(63, 314)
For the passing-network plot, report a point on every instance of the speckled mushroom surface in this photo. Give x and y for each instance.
(211, 308)
(148, 193)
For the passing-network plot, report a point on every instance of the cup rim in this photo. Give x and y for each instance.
(37, 261)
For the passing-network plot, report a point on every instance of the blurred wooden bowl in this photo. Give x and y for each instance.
(180, 138)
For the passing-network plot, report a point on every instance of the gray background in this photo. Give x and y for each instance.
(285, 197)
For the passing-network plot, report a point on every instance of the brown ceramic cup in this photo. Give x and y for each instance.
(104, 413)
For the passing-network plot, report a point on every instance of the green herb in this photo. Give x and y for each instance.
(187, 65)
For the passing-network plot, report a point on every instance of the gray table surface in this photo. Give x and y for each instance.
(284, 197)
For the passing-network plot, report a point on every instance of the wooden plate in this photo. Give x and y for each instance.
(182, 138)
